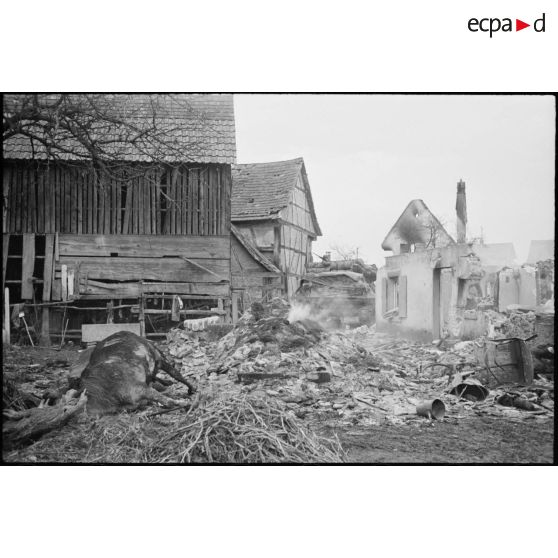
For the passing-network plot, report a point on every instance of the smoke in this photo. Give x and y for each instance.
(299, 312)
(329, 314)
(411, 230)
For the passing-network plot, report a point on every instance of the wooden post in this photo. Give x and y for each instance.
(141, 302)
(6, 196)
(220, 307)
(277, 246)
(6, 325)
(28, 263)
(234, 308)
(48, 272)
(71, 282)
(110, 312)
(5, 249)
(64, 281)
(228, 317)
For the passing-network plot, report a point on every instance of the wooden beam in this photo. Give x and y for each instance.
(195, 181)
(296, 227)
(68, 195)
(5, 248)
(80, 192)
(167, 312)
(64, 282)
(48, 268)
(151, 269)
(40, 201)
(258, 274)
(17, 199)
(27, 266)
(235, 297)
(71, 282)
(6, 173)
(7, 316)
(73, 193)
(95, 290)
(56, 290)
(288, 248)
(89, 186)
(197, 247)
(56, 247)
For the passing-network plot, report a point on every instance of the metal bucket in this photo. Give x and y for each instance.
(471, 390)
(434, 408)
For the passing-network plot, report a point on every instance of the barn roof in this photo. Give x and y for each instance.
(196, 128)
(253, 251)
(261, 190)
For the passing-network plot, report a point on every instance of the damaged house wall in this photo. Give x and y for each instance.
(272, 207)
(148, 228)
(527, 286)
(434, 293)
(416, 229)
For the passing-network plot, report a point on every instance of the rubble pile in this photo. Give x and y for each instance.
(514, 323)
(343, 378)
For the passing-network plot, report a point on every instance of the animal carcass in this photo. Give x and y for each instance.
(120, 371)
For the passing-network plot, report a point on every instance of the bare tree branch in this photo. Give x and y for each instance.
(104, 130)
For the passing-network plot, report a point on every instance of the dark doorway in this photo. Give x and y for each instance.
(436, 309)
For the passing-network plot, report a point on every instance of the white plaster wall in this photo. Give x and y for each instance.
(417, 268)
(527, 286)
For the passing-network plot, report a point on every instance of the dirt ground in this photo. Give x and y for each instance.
(478, 440)
(482, 439)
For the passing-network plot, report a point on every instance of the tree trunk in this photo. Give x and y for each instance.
(23, 426)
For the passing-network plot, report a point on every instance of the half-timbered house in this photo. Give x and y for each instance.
(272, 206)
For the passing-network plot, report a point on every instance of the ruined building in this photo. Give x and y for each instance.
(433, 286)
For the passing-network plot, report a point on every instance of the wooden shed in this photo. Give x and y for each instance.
(254, 277)
(124, 244)
(272, 206)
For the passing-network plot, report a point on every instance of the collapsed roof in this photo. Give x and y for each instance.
(417, 224)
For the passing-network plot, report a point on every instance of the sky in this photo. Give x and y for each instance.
(367, 156)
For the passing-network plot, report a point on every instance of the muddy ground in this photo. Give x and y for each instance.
(482, 439)
(478, 440)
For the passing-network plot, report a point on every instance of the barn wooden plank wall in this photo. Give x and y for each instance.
(133, 246)
(186, 200)
(113, 265)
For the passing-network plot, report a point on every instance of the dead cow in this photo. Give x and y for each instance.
(120, 371)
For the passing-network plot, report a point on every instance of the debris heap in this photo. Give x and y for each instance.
(279, 355)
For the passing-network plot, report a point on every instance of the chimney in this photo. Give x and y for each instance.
(461, 210)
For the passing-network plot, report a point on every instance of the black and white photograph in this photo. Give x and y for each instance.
(217, 278)
(278, 278)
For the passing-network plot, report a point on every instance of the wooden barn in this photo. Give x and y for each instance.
(272, 206)
(122, 237)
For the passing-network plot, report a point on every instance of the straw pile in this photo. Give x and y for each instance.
(244, 430)
(236, 429)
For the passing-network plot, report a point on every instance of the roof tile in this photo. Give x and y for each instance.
(200, 128)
